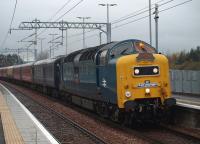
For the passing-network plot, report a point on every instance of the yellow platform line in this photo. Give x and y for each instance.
(11, 132)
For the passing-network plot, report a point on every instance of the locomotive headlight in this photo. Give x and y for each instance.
(137, 71)
(128, 94)
(155, 70)
(147, 91)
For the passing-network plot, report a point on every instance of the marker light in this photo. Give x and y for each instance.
(137, 71)
(141, 45)
(155, 70)
(128, 94)
(147, 90)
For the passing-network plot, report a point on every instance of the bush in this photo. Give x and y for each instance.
(186, 61)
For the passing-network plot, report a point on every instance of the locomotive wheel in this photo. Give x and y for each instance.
(102, 109)
(44, 90)
(67, 98)
(169, 115)
(130, 119)
(117, 116)
(98, 109)
(55, 94)
(114, 115)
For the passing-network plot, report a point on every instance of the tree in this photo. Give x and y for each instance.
(186, 60)
(8, 60)
(181, 58)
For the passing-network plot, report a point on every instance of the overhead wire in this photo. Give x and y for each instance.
(28, 37)
(63, 6)
(12, 19)
(60, 9)
(175, 5)
(138, 12)
(64, 13)
(142, 12)
(13, 14)
(69, 10)
(160, 11)
(134, 14)
(50, 19)
(128, 16)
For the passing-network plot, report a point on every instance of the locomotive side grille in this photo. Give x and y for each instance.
(146, 71)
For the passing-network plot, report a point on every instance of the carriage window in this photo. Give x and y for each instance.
(122, 49)
(141, 47)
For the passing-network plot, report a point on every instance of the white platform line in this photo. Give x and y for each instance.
(188, 105)
(34, 119)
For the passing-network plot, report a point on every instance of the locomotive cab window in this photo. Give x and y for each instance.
(122, 49)
(142, 47)
(102, 58)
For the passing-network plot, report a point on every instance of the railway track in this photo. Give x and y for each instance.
(155, 134)
(63, 129)
(150, 134)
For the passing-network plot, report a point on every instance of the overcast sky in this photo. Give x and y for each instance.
(179, 27)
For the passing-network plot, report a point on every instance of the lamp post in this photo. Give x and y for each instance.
(108, 5)
(150, 31)
(108, 19)
(156, 24)
(83, 18)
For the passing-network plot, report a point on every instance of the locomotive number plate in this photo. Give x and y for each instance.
(144, 85)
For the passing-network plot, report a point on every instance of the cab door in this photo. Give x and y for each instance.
(100, 70)
(103, 76)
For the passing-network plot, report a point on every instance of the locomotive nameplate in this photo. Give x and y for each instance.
(146, 85)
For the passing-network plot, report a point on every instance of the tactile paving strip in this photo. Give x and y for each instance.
(11, 132)
(2, 140)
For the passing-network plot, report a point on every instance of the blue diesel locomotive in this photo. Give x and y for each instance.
(119, 80)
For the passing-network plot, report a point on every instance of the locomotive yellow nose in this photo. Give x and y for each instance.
(138, 80)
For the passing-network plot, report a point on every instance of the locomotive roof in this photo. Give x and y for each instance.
(44, 61)
(47, 61)
(88, 53)
(108, 46)
(8, 67)
(17, 66)
(26, 64)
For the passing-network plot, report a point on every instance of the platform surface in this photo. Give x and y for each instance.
(10, 131)
(19, 125)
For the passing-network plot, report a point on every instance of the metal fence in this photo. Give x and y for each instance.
(185, 81)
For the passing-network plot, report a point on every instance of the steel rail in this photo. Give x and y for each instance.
(89, 134)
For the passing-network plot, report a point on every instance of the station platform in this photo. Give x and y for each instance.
(18, 125)
(190, 101)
